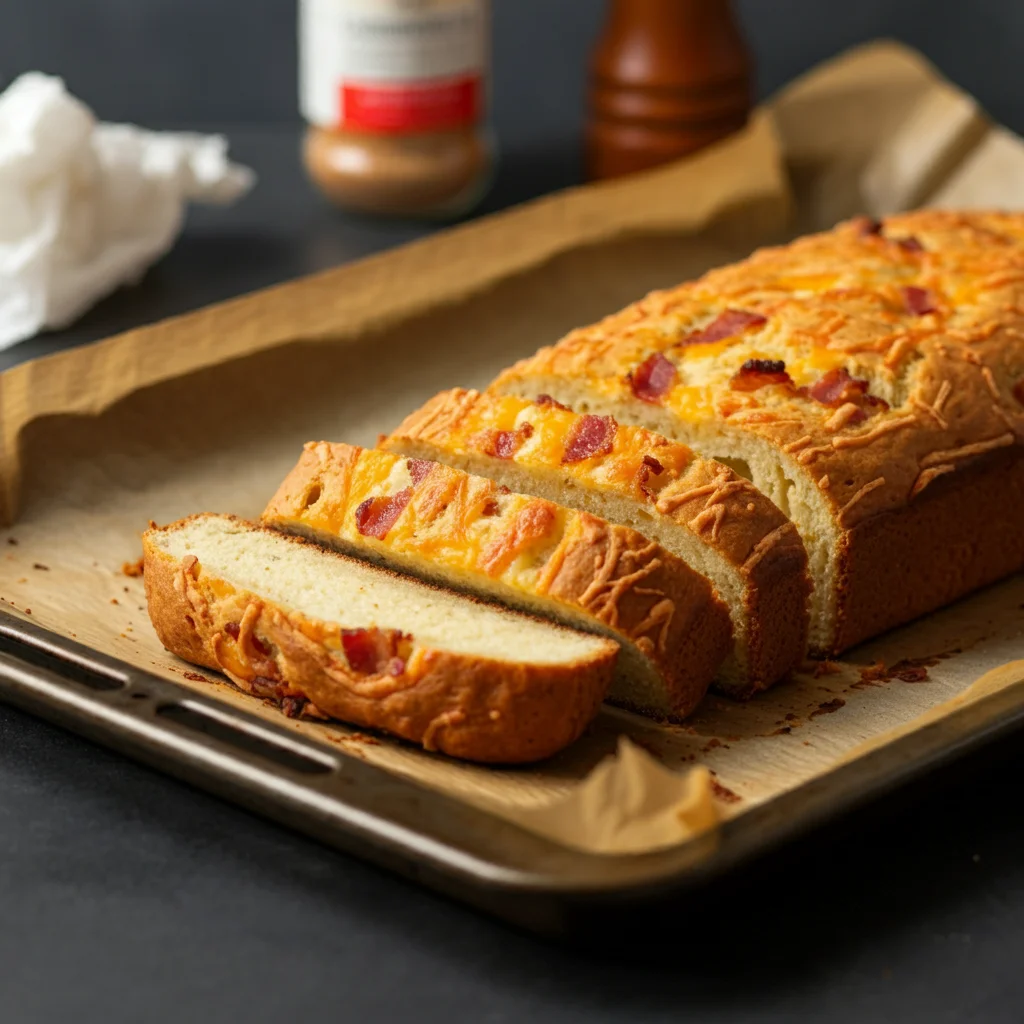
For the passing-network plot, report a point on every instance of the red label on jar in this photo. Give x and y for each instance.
(412, 106)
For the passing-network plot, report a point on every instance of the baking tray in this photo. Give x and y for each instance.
(98, 440)
(421, 833)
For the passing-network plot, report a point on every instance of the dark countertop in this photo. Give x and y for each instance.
(129, 897)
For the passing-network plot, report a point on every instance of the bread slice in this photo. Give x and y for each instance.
(326, 635)
(869, 380)
(701, 511)
(450, 527)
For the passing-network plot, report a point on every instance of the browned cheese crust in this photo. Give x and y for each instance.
(511, 544)
(468, 707)
(663, 477)
(883, 360)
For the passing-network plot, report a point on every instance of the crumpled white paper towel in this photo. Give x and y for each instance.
(86, 207)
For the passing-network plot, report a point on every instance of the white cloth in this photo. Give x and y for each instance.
(86, 207)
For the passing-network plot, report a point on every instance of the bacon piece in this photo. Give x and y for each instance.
(1018, 391)
(373, 651)
(837, 387)
(759, 373)
(867, 226)
(503, 444)
(264, 686)
(260, 647)
(419, 468)
(918, 301)
(909, 244)
(375, 516)
(292, 707)
(589, 436)
(648, 467)
(548, 400)
(653, 378)
(506, 444)
(232, 629)
(725, 325)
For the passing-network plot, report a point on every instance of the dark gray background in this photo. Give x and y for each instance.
(125, 896)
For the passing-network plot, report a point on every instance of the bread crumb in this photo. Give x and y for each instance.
(40, 566)
(724, 793)
(133, 568)
(12, 540)
(828, 707)
(114, 600)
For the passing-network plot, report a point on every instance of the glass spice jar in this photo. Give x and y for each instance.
(396, 93)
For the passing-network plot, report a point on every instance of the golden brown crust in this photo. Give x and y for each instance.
(663, 478)
(889, 570)
(468, 707)
(516, 547)
(923, 314)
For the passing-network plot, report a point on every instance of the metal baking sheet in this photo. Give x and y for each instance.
(419, 832)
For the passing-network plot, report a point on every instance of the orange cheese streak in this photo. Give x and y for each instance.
(545, 446)
(865, 297)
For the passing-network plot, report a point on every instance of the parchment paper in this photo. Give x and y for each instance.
(208, 411)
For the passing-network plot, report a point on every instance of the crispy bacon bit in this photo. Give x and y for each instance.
(360, 650)
(373, 651)
(503, 444)
(232, 630)
(918, 301)
(264, 686)
(868, 226)
(653, 378)
(260, 647)
(650, 465)
(1018, 391)
(375, 516)
(909, 244)
(419, 468)
(548, 400)
(725, 325)
(589, 436)
(759, 373)
(506, 443)
(292, 707)
(491, 508)
(837, 387)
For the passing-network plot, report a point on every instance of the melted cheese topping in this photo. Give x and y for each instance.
(869, 299)
(544, 431)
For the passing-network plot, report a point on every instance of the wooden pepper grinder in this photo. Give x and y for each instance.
(667, 77)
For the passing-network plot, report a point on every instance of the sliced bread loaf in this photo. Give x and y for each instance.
(700, 510)
(451, 527)
(870, 380)
(330, 636)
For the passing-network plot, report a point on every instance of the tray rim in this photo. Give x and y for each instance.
(449, 844)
